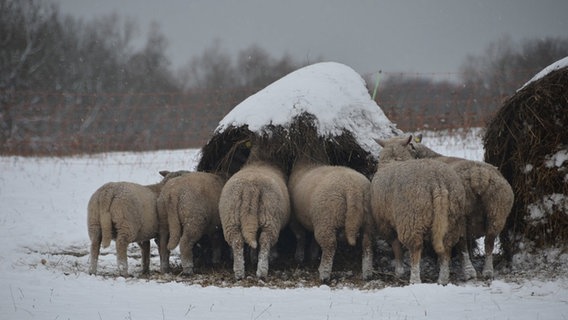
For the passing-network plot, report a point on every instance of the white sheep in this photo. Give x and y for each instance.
(188, 209)
(327, 200)
(412, 200)
(489, 200)
(125, 212)
(254, 207)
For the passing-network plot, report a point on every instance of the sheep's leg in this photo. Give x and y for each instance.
(367, 262)
(415, 255)
(162, 242)
(315, 250)
(467, 267)
(95, 251)
(398, 264)
(186, 244)
(253, 255)
(217, 245)
(145, 248)
(266, 243)
(237, 246)
(300, 235)
(121, 257)
(328, 244)
(444, 264)
(488, 266)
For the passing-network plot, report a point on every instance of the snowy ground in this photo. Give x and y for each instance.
(44, 258)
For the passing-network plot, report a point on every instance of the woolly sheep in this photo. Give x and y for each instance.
(254, 207)
(126, 212)
(416, 198)
(188, 209)
(489, 200)
(327, 200)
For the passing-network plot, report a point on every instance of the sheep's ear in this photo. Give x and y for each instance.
(381, 142)
(418, 138)
(407, 141)
(164, 173)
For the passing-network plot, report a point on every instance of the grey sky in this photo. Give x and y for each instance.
(425, 36)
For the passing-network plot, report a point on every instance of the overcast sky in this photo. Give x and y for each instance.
(426, 36)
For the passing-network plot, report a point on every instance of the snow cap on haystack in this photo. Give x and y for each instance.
(333, 93)
(528, 141)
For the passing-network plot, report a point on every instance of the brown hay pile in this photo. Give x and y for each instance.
(530, 128)
(227, 151)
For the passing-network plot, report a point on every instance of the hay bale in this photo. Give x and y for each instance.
(325, 107)
(528, 141)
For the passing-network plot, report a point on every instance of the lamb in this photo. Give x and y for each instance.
(416, 198)
(327, 200)
(489, 200)
(188, 209)
(126, 212)
(254, 207)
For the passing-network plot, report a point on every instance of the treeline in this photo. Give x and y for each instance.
(475, 93)
(70, 86)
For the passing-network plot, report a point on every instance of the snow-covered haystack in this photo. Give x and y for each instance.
(528, 141)
(324, 106)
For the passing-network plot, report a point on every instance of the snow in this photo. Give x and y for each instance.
(562, 63)
(546, 206)
(43, 221)
(557, 159)
(331, 91)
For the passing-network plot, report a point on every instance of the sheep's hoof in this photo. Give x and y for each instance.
(239, 275)
(399, 273)
(261, 277)
(187, 272)
(488, 274)
(367, 274)
(415, 280)
(470, 274)
(325, 278)
(165, 269)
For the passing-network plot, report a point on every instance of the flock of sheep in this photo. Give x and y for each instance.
(416, 195)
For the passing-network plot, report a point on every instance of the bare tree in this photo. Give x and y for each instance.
(506, 66)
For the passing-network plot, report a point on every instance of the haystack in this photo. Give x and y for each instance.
(324, 106)
(528, 141)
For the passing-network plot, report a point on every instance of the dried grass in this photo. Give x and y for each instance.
(227, 151)
(531, 126)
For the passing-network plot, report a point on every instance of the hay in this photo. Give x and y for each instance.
(521, 140)
(228, 150)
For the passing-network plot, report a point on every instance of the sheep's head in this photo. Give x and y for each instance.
(172, 174)
(419, 150)
(396, 149)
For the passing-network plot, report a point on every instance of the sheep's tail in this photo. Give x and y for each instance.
(248, 209)
(480, 180)
(104, 206)
(357, 209)
(441, 204)
(174, 226)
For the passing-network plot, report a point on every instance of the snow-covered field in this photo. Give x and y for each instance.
(44, 258)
